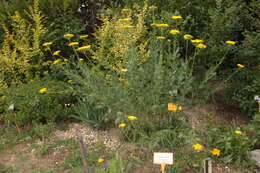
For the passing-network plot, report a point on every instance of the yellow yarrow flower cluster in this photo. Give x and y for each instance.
(83, 48)
(197, 147)
(57, 61)
(163, 25)
(83, 36)
(43, 90)
(57, 52)
(176, 17)
(73, 43)
(187, 36)
(68, 36)
(197, 41)
(215, 152)
(131, 117)
(230, 42)
(201, 46)
(100, 160)
(174, 31)
(70, 81)
(238, 132)
(121, 125)
(240, 65)
(47, 44)
(173, 107)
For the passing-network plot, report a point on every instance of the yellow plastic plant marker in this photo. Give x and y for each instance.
(163, 165)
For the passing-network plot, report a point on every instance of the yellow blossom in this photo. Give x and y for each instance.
(174, 31)
(56, 52)
(57, 61)
(81, 59)
(70, 81)
(43, 90)
(153, 7)
(197, 41)
(180, 108)
(160, 24)
(161, 37)
(187, 36)
(215, 152)
(122, 125)
(197, 147)
(201, 46)
(47, 44)
(240, 65)
(238, 132)
(100, 160)
(66, 60)
(83, 48)
(131, 117)
(73, 43)
(230, 42)
(83, 36)
(68, 35)
(173, 107)
(176, 17)
(125, 19)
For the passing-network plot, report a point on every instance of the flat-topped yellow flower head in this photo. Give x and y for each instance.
(197, 147)
(100, 160)
(238, 132)
(240, 66)
(197, 41)
(83, 36)
(46, 44)
(68, 36)
(43, 90)
(57, 52)
(176, 17)
(187, 36)
(230, 42)
(174, 31)
(121, 125)
(131, 117)
(215, 152)
(83, 48)
(73, 43)
(201, 46)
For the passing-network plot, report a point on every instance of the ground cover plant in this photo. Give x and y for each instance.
(141, 72)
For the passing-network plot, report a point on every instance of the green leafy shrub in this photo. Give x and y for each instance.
(39, 101)
(20, 53)
(234, 144)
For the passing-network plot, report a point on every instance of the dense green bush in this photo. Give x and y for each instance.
(25, 104)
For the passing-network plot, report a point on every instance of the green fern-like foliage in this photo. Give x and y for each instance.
(20, 51)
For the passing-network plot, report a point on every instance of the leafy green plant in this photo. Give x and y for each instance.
(39, 101)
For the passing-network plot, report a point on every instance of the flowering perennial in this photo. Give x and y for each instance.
(215, 152)
(47, 44)
(56, 52)
(240, 65)
(201, 46)
(187, 36)
(83, 48)
(176, 17)
(174, 31)
(73, 43)
(197, 147)
(43, 90)
(230, 42)
(121, 125)
(131, 117)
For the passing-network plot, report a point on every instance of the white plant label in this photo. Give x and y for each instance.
(163, 158)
